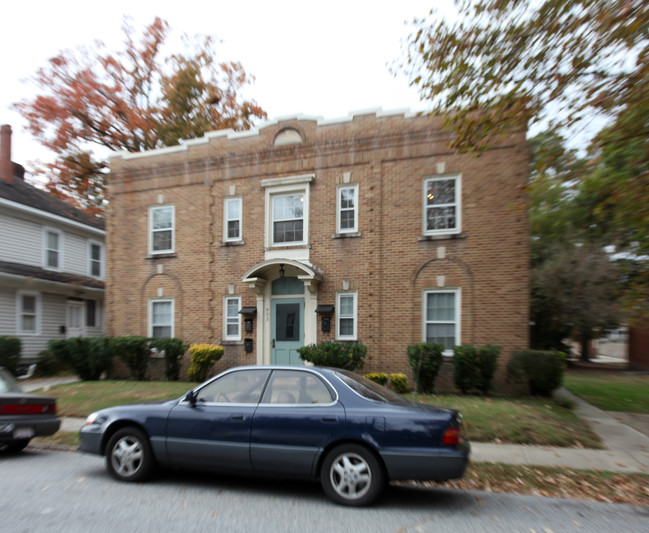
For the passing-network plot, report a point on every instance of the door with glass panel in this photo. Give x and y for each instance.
(288, 331)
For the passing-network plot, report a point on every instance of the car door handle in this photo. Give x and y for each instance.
(330, 419)
(238, 417)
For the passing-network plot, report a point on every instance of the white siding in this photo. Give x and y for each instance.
(75, 254)
(7, 312)
(21, 241)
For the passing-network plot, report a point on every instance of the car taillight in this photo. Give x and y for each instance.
(452, 436)
(27, 409)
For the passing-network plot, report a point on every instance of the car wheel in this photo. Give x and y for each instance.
(352, 475)
(128, 455)
(14, 446)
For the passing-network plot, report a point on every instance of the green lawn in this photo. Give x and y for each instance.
(518, 421)
(494, 419)
(611, 391)
(82, 398)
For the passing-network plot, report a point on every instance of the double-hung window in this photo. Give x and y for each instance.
(232, 219)
(161, 319)
(287, 215)
(28, 311)
(95, 253)
(442, 209)
(347, 209)
(161, 225)
(288, 218)
(442, 318)
(53, 248)
(232, 324)
(346, 314)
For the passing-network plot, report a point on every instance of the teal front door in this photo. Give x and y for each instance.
(288, 330)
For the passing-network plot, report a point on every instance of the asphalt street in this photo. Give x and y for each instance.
(51, 491)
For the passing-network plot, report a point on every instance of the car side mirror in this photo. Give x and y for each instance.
(191, 397)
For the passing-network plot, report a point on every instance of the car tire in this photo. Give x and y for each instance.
(14, 446)
(352, 475)
(129, 456)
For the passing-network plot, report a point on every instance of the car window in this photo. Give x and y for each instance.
(243, 386)
(7, 382)
(369, 389)
(296, 387)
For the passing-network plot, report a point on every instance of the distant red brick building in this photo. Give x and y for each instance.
(638, 347)
(367, 229)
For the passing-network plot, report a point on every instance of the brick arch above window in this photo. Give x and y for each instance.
(287, 136)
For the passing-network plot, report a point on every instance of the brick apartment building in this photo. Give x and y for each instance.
(366, 229)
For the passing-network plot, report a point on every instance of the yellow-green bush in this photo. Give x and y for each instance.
(377, 377)
(399, 383)
(203, 357)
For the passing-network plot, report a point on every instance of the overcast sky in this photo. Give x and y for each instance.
(314, 58)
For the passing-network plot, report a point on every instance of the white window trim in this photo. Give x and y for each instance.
(226, 220)
(47, 230)
(227, 337)
(101, 259)
(173, 315)
(173, 229)
(279, 187)
(19, 313)
(354, 335)
(339, 229)
(458, 204)
(458, 314)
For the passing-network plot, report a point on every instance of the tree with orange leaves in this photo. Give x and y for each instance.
(131, 100)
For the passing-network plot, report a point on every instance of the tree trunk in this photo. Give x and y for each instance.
(585, 347)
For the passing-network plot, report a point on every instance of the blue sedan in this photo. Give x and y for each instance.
(298, 422)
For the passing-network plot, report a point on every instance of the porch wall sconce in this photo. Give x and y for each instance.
(325, 319)
(281, 270)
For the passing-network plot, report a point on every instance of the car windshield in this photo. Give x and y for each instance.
(369, 389)
(7, 382)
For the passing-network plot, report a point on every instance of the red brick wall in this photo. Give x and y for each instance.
(390, 264)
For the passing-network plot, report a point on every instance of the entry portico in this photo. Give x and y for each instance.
(287, 297)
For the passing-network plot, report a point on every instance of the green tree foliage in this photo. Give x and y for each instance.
(133, 99)
(501, 64)
(578, 287)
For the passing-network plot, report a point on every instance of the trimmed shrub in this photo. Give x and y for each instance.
(541, 370)
(87, 357)
(10, 353)
(48, 365)
(173, 350)
(487, 364)
(203, 358)
(377, 377)
(135, 352)
(474, 368)
(425, 359)
(399, 383)
(350, 356)
(465, 370)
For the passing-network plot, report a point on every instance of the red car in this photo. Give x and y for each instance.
(23, 416)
